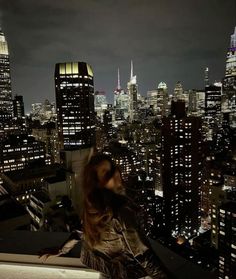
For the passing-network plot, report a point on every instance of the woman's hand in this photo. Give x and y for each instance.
(44, 254)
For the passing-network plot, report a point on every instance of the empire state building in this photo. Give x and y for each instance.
(5, 81)
(229, 81)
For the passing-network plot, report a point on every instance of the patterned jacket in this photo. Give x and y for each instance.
(124, 252)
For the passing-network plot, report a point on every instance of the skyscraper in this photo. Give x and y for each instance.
(162, 99)
(100, 103)
(231, 57)
(212, 102)
(75, 105)
(18, 107)
(75, 122)
(133, 95)
(229, 81)
(5, 80)
(178, 91)
(181, 171)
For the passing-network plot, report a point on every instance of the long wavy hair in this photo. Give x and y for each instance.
(97, 209)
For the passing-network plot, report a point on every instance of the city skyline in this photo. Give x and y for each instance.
(95, 33)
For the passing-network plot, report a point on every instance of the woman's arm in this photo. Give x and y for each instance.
(65, 248)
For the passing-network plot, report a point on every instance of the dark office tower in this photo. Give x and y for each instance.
(227, 240)
(5, 81)
(181, 171)
(75, 105)
(132, 88)
(18, 107)
(107, 122)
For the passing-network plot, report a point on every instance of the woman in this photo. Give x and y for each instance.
(112, 242)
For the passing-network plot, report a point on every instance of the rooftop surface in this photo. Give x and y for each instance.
(19, 251)
(32, 173)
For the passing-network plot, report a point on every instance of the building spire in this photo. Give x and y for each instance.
(131, 70)
(233, 39)
(118, 80)
(206, 76)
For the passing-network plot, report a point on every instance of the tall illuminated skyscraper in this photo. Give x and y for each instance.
(162, 99)
(75, 122)
(181, 171)
(75, 105)
(6, 108)
(231, 57)
(229, 81)
(133, 95)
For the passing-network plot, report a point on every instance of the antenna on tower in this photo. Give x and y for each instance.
(131, 70)
(206, 76)
(118, 80)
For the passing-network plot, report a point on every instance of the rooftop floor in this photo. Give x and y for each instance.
(19, 259)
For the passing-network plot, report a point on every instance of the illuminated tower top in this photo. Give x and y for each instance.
(3, 44)
(118, 81)
(231, 57)
(75, 105)
(133, 79)
(5, 79)
(233, 40)
(207, 76)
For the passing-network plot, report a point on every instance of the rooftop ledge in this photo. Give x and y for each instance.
(19, 259)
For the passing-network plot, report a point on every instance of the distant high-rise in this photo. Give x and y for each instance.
(133, 95)
(178, 91)
(162, 99)
(231, 57)
(5, 80)
(181, 171)
(100, 103)
(17, 151)
(18, 107)
(213, 102)
(118, 89)
(75, 105)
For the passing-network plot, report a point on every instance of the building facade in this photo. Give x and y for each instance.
(181, 171)
(6, 108)
(75, 105)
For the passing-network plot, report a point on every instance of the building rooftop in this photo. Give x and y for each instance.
(19, 255)
(32, 173)
(41, 196)
(55, 179)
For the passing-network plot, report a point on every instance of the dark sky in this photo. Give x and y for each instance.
(168, 40)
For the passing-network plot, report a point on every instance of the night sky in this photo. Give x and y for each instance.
(168, 40)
